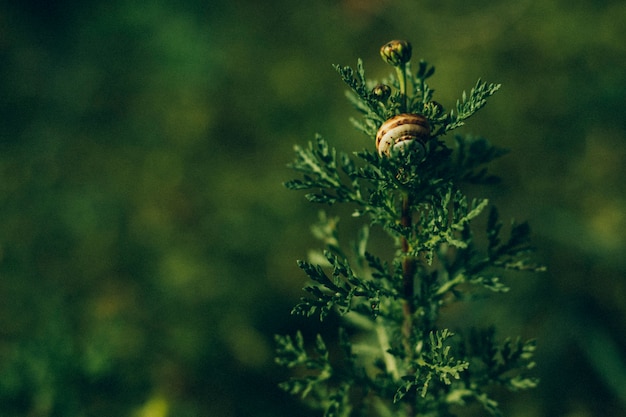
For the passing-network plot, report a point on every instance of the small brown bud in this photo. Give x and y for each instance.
(381, 92)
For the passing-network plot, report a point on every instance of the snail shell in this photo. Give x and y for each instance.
(402, 131)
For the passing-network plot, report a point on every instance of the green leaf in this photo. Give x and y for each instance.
(472, 153)
(291, 352)
(468, 105)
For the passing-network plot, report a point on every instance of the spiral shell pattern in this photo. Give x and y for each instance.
(401, 130)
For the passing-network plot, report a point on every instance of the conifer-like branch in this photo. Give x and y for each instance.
(391, 357)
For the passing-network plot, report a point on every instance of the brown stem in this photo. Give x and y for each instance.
(408, 270)
(408, 288)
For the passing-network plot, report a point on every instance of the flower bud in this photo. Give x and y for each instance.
(381, 92)
(396, 53)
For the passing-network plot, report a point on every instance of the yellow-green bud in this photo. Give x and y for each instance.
(381, 92)
(396, 53)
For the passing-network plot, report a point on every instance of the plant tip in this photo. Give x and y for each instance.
(381, 92)
(396, 53)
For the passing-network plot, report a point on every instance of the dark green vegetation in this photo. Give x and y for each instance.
(397, 355)
(147, 244)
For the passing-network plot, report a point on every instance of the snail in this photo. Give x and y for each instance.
(401, 132)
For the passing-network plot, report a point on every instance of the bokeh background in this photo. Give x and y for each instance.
(147, 246)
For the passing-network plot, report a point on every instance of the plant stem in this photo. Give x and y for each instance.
(390, 360)
(408, 263)
(408, 289)
(401, 73)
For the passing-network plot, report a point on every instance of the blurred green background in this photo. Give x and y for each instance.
(147, 246)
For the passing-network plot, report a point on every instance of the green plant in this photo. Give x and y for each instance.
(391, 357)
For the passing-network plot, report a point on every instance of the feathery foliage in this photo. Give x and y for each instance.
(394, 359)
